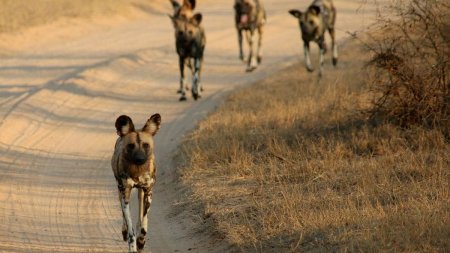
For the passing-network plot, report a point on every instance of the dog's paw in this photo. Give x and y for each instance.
(183, 98)
(196, 96)
(335, 61)
(259, 59)
(310, 69)
(140, 242)
(125, 235)
(250, 69)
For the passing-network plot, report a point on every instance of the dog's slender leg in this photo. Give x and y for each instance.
(181, 90)
(145, 200)
(307, 59)
(331, 30)
(321, 55)
(241, 51)
(260, 34)
(252, 63)
(124, 225)
(334, 46)
(200, 74)
(125, 203)
(196, 78)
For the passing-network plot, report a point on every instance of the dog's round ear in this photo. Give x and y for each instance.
(197, 19)
(153, 124)
(189, 3)
(124, 125)
(314, 9)
(175, 4)
(295, 13)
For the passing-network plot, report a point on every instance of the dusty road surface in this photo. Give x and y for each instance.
(59, 101)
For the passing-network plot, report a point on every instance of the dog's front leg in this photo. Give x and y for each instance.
(333, 45)
(307, 59)
(196, 78)
(241, 51)
(252, 63)
(125, 204)
(260, 34)
(182, 81)
(322, 48)
(145, 200)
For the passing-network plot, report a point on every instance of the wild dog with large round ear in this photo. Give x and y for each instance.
(133, 165)
(318, 18)
(190, 41)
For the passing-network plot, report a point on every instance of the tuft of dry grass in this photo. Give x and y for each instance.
(290, 165)
(16, 15)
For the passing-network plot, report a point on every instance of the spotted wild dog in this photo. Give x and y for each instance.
(318, 18)
(250, 17)
(190, 41)
(133, 165)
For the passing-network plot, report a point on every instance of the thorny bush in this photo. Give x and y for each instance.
(411, 59)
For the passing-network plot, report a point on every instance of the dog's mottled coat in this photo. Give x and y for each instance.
(318, 18)
(250, 17)
(133, 165)
(190, 42)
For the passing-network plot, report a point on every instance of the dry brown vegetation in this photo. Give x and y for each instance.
(19, 14)
(412, 63)
(293, 164)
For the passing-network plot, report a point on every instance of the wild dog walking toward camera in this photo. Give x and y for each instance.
(250, 17)
(190, 44)
(319, 17)
(133, 165)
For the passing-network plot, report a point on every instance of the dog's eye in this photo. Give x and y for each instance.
(130, 146)
(146, 145)
(311, 23)
(191, 32)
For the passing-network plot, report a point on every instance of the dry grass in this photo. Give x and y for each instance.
(289, 165)
(16, 15)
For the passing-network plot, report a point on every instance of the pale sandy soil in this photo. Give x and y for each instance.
(63, 85)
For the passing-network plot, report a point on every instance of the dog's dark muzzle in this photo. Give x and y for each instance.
(184, 45)
(139, 158)
(243, 14)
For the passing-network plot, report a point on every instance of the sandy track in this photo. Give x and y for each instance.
(58, 104)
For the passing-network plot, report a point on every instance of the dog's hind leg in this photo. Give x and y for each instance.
(125, 204)
(145, 200)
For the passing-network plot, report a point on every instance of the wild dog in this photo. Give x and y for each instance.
(133, 165)
(319, 17)
(250, 17)
(190, 41)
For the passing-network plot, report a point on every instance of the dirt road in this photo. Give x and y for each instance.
(59, 101)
